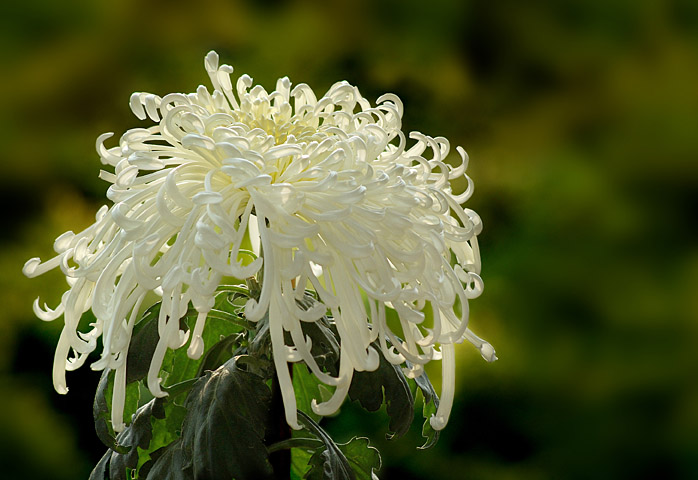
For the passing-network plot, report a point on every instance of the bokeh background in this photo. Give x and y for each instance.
(581, 121)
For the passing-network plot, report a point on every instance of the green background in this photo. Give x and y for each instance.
(581, 121)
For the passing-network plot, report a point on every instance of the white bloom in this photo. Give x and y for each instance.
(337, 200)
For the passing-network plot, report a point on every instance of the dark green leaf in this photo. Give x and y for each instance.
(223, 431)
(260, 344)
(101, 410)
(255, 285)
(362, 457)
(170, 464)
(180, 388)
(387, 381)
(144, 339)
(101, 470)
(325, 347)
(259, 365)
(328, 462)
(219, 353)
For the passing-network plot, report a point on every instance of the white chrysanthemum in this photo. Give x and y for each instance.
(332, 193)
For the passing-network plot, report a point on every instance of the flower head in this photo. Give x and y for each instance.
(329, 189)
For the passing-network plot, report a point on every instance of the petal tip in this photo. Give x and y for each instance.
(487, 352)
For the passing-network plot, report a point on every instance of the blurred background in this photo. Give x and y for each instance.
(581, 121)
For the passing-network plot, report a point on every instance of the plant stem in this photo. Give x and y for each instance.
(306, 443)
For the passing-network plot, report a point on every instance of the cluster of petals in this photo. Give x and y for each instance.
(334, 198)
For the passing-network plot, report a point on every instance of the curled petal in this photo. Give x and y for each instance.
(327, 191)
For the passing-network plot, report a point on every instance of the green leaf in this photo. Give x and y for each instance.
(131, 401)
(226, 422)
(300, 463)
(144, 441)
(307, 388)
(431, 403)
(229, 303)
(362, 457)
(136, 436)
(180, 367)
(328, 462)
(165, 431)
(223, 320)
(389, 383)
(169, 427)
(137, 441)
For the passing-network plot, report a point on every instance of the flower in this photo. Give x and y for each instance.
(331, 191)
